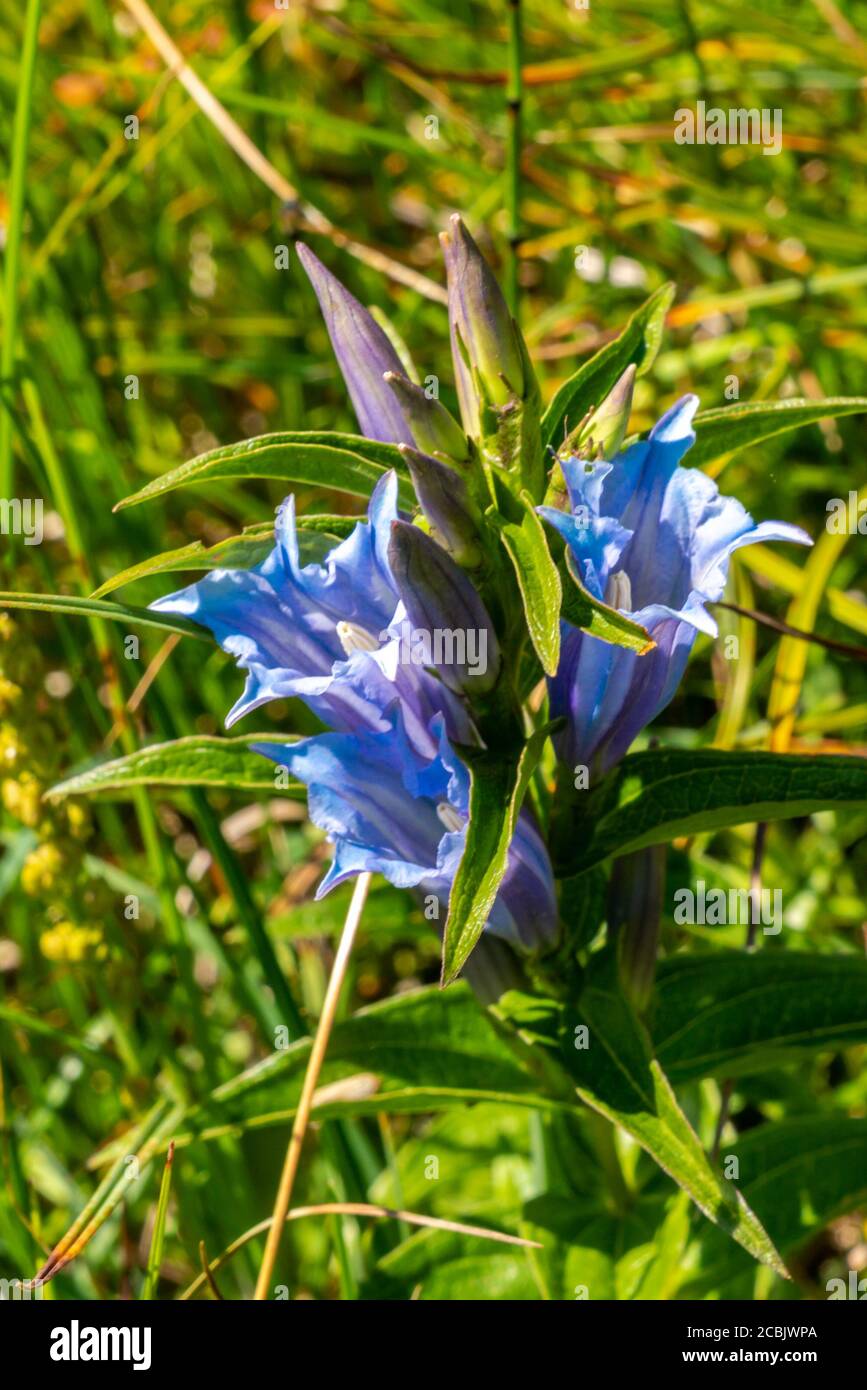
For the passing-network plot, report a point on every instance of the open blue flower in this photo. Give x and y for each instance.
(653, 540)
(386, 786)
(317, 631)
(392, 810)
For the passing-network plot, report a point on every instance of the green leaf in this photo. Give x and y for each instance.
(417, 1052)
(583, 908)
(497, 787)
(723, 431)
(345, 462)
(638, 343)
(235, 552)
(652, 797)
(538, 581)
(726, 1013)
(446, 1268)
(97, 608)
(798, 1174)
(196, 761)
(591, 615)
(803, 1172)
(618, 1076)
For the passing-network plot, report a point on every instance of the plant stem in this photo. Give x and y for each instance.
(311, 1077)
(514, 108)
(409, 1218)
(17, 180)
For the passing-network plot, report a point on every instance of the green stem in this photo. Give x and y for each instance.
(17, 181)
(514, 108)
(602, 1137)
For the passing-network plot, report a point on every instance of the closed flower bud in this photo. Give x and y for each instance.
(601, 432)
(484, 335)
(446, 504)
(447, 618)
(433, 428)
(363, 353)
(634, 916)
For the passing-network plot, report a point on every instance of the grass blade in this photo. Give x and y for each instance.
(155, 1254)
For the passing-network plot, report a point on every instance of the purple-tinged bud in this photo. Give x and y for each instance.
(446, 503)
(434, 429)
(363, 354)
(601, 432)
(634, 915)
(484, 335)
(448, 626)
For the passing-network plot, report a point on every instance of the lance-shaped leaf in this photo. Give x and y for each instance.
(582, 609)
(364, 354)
(498, 783)
(197, 761)
(723, 1013)
(598, 1041)
(344, 462)
(539, 582)
(638, 344)
(618, 1075)
(64, 604)
(651, 797)
(723, 431)
(235, 552)
(798, 1174)
(379, 1061)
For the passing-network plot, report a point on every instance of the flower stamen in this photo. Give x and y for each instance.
(450, 818)
(355, 638)
(618, 591)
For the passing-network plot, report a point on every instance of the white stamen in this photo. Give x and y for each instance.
(618, 591)
(354, 638)
(451, 819)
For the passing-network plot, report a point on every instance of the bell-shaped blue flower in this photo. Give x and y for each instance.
(653, 540)
(320, 631)
(390, 809)
(386, 785)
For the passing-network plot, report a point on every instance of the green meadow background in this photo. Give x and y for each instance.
(147, 317)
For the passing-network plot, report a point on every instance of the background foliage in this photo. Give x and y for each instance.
(155, 258)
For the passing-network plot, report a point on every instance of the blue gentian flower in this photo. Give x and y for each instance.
(393, 810)
(653, 540)
(386, 786)
(321, 631)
